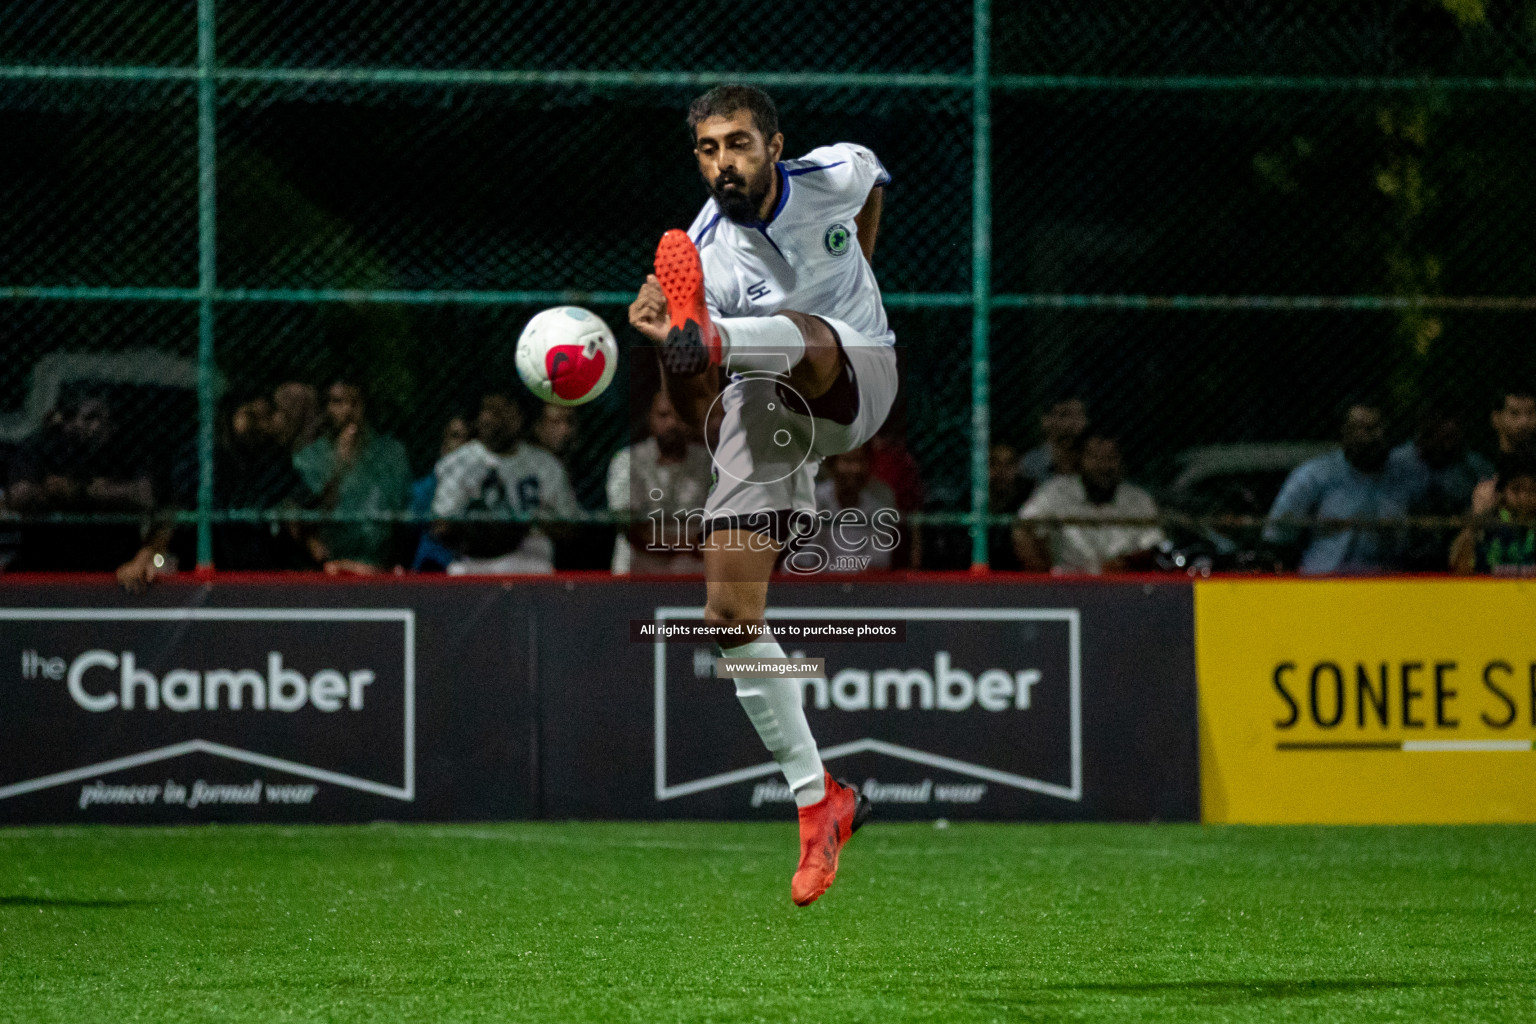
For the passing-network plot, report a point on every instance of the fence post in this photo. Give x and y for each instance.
(207, 280)
(981, 280)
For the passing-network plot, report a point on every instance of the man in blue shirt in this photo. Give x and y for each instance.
(1444, 474)
(1355, 482)
(1444, 470)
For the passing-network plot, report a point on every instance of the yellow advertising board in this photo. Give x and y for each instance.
(1367, 701)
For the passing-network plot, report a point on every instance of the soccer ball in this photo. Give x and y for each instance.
(567, 355)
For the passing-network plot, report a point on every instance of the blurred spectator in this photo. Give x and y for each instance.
(1006, 491)
(432, 555)
(1514, 421)
(296, 418)
(863, 528)
(1063, 425)
(1356, 482)
(1502, 541)
(555, 429)
(353, 470)
(1514, 425)
(1097, 491)
(1443, 473)
(253, 471)
(500, 474)
(892, 464)
(659, 481)
(585, 546)
(1437, 461)
(82, 461)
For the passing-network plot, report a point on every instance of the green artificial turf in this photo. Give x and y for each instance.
(692, 922)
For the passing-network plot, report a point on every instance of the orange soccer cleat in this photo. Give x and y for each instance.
(693, 343)
(824, 827)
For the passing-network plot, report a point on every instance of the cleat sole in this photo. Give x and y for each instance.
(682, 282)
(863, 807)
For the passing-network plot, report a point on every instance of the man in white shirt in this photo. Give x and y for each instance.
(500, 474)
(1097, 492)
(773, 285)
(661, 480)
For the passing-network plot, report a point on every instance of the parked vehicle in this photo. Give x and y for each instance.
(1225, 480)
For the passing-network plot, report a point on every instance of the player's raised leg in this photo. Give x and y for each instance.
(789, 342)
(737, 564)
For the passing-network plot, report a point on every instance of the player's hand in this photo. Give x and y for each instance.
(1485, 497)
(648, 313)
(318, 551)
(136, 574)
(349, 444)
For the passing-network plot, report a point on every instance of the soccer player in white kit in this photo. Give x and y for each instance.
(773, 284)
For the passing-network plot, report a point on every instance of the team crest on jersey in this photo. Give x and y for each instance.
(836, 240)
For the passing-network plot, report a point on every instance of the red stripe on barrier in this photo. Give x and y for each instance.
(968, 576)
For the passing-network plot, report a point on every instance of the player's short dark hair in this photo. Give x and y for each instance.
(239, 395)
(464, 409)
(725, 100)
(347, 380)
(528, 408)
(1502, 395)
(1360, 400)
(1070, 393)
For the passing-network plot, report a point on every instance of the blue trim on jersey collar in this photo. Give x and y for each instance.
(763, 225)
(783, 195)
(814, 167)
(707, 229)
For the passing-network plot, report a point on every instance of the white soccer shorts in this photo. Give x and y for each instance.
(772, 439)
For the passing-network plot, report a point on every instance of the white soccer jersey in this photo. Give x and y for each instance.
(528, 481)
(805, 256)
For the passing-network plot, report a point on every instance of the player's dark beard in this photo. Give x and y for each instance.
(743, 203)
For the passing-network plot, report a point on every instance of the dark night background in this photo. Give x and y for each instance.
(1209, 187)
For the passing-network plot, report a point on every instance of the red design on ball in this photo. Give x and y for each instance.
(571, 374)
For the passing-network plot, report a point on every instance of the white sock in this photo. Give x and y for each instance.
(771, 343)
(777, 709)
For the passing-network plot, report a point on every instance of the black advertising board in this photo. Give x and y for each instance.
(264, 702)
(1056, 701)
(415, 700)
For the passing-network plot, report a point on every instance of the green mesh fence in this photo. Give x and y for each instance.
(1212, 223)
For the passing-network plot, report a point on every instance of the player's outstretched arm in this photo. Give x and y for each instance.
(868, 221)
